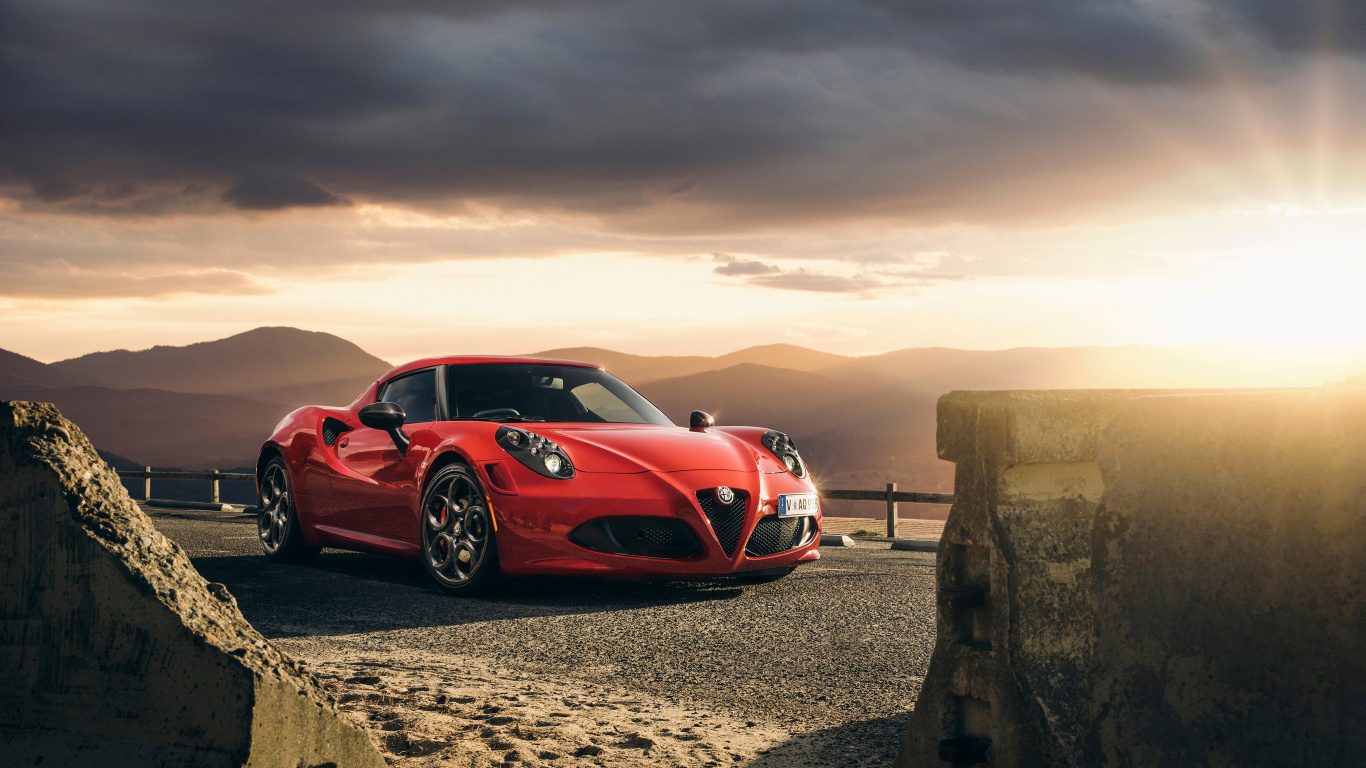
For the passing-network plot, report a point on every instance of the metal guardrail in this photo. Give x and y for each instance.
(147, 476)
(891, 496)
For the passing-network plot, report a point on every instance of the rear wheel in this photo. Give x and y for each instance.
(458, 548)
(277, 521)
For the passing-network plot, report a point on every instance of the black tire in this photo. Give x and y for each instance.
(764, 576)
(458, 546)
(277, 521)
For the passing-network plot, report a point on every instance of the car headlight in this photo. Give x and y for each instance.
(535, 452)
(781, 446)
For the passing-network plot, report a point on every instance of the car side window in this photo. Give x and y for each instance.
(415, 393)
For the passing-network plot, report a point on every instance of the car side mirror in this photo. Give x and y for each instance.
(700, 420)
(388, 417)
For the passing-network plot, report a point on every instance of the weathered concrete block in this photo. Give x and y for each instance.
(1012, 652)
(116, 652)
(1230, 582)
(1011, 664)
(1151, 578)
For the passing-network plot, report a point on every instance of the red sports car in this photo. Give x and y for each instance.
(483, 466)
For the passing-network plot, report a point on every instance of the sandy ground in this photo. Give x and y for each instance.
(461, 711)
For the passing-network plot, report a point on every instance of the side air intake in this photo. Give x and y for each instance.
(664, 538)
(773, 535)
(333, 429)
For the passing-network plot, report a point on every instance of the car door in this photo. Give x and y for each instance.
(378, 493)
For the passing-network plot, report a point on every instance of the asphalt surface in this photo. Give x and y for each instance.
(835, 652)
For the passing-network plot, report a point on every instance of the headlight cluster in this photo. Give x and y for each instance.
(536, 453)
(781, 445)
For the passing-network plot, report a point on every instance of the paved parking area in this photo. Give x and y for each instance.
(833, 654)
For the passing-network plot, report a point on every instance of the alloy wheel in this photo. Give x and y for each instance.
(456, 528)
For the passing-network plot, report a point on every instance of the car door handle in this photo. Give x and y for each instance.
(345, 441)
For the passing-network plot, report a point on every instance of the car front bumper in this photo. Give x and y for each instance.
(534, 524)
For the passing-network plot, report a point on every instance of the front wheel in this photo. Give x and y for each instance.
(458, 548)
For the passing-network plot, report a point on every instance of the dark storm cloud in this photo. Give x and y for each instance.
(268, 193)
(1306, 25)
(598, 106)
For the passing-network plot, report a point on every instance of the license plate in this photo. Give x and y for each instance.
(798, 504)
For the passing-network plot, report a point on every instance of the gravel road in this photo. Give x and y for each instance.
(830, 658)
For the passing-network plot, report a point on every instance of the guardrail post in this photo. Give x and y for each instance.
(215, 487)
(891, 510)
(147, 485)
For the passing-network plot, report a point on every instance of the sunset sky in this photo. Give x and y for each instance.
(682, 177)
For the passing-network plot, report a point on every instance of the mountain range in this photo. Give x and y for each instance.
(860, 421)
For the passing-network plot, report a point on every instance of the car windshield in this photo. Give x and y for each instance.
(535, 392)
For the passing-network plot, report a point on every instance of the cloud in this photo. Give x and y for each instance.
(818, 282)
(844, 147)
(271, 193)
(746, 268)
(1304, 26)
(865, 283)
(654, 116)
(665, 191)
(58, 279)
(732, 266)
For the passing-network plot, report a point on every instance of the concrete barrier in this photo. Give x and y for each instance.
(1014, 626)
(1229, 583)
(116, 651)
(1100, 595)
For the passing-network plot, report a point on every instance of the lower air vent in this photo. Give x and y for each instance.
(658, 537)
(333, 429)
(774, 534)
(726, 519)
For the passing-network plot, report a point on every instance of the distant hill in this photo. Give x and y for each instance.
(860, 421)
(165, 429)
(633, 369)
(341, 392)
(260, 359)
(783, 356)
(745, 394)
(1221, 364)
(19, 371)
(638, 369)
(204, 405)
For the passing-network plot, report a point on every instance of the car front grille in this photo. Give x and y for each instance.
(659, 537)
(774, 534)
(726, 519)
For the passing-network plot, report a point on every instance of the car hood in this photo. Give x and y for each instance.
(649, 448)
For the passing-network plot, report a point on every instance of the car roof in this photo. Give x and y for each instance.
(428, 362)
